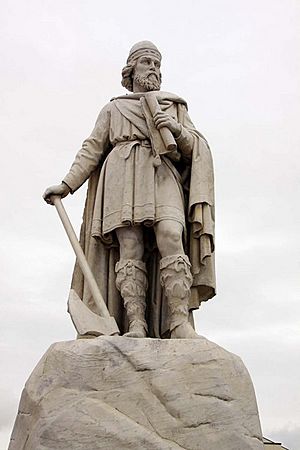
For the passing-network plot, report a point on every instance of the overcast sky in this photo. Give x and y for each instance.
(237, 65)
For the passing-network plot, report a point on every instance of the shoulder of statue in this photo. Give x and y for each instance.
(162, 96)
(104, 114)
(169, 96)
(126, 97)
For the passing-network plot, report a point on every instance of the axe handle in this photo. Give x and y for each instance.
(89, 277)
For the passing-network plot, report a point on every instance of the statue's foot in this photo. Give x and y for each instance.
(184, 331)
(135, 334)
(136, 330)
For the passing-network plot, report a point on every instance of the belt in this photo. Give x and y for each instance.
(125, 147)
(145, 143)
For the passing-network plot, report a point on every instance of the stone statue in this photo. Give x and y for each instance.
(148, 223)
(147, 243)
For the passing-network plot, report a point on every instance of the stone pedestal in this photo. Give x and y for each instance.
(124, 393)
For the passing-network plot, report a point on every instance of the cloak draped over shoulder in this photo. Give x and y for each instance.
(119, 155)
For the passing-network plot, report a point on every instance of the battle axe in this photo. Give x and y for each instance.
(85, 321)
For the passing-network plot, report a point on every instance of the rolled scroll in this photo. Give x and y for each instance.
(165, 133)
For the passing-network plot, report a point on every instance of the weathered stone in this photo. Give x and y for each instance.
(143, 152)
(125, 393)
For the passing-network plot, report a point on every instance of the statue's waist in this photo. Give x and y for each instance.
(124, 147)
(133, 142)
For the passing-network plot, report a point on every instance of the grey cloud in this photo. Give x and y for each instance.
(288, 436)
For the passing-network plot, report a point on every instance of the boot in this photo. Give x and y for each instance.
(132, 283)
(176, 278)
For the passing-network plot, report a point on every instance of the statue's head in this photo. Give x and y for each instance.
(143, 67)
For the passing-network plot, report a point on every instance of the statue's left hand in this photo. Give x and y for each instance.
(162, 119)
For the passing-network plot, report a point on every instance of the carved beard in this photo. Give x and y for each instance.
(147, 83)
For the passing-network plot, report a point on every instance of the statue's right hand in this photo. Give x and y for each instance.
(61, 189)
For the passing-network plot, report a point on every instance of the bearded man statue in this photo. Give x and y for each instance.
(148, 223)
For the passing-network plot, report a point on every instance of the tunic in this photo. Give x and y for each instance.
(131, 190)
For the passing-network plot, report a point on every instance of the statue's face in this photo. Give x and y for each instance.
(147, 73)
(148, 66)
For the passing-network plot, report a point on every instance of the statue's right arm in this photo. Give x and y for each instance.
(86, 160)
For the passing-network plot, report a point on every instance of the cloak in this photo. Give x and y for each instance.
(197, 181)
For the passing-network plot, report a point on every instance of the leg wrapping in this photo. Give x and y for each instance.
(176, 278)
(132, 283)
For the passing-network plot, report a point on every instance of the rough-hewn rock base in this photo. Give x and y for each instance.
(124, 393)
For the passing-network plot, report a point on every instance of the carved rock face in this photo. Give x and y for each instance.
(124, 393)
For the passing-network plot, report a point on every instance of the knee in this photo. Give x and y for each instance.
(169, 238)
(172, 236)
(132, 249)
(131, 245)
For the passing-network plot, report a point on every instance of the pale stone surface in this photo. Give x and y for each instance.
(148, 222)
(86, 321)
(125, 393)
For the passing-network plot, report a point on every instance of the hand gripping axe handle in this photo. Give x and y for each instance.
(85, 321)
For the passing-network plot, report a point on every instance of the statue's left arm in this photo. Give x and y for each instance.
(181, 129)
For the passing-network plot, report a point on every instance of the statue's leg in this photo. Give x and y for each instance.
(131, 278)
(176, 277)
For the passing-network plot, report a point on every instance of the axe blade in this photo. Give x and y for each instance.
(86, 321)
